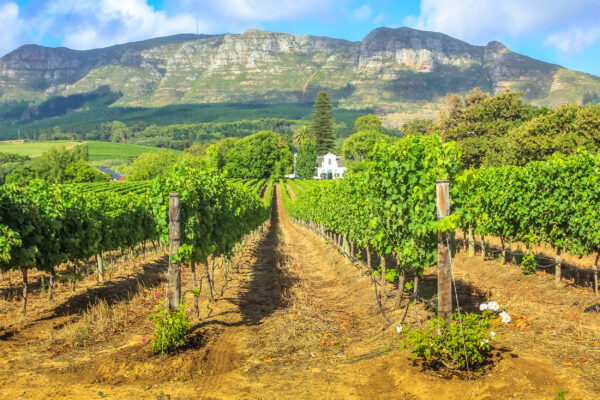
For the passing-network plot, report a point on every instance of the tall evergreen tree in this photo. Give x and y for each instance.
(322, 124)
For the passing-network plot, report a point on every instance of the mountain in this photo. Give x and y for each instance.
(391, 70)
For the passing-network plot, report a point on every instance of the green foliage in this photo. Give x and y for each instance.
(441, 343)
(58, 165)
(121, 187)
(149, 165)
(62, 223)
(174, 126)
(171, 328)
(480, 125)
(560, 395)
(564, 130)
(306, 160)
(391, 205)
(418, 127)
(322, 124)
(303, 134)
(358, 146)
(9, 162)
(528, 264)
(262, 155)
(214, 213)
(46, 225)
(8, 239)
(367, 123)
(554, 201)
(102, 151)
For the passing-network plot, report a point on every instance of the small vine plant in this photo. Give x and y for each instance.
(171, 327)
(441, 344)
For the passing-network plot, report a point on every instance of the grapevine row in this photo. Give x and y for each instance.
(44, 226)
(389, 207)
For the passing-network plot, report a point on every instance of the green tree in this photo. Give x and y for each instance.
(306, 160)
(358, 146)
(367, 123)
(150, 165)
(56, 166)
(302, 135)
(481, 124)
(9, 162)
(262, 155)
(418, 127)
(322, 124)
(560, 130)
(82, 171)
(217, 153)
(119, 132)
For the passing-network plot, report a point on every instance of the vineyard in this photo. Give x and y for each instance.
(336, 283)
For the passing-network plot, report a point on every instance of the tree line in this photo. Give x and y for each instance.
(503, 130)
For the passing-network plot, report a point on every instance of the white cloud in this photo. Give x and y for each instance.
(85, 24)
(362, 13)
(11, 27)
(268, 10)
(89, 23)
(569, 25)
(574, 40)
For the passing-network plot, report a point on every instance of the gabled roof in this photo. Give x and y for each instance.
(320, 159)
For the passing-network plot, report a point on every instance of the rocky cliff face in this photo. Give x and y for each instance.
(388, 68)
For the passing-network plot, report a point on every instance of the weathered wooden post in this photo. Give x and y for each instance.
(595, 273)
(100, 262)
(558, 267)
(383, 272)
(174, 272)
(25, 288)
(471, 239)
(444, 272)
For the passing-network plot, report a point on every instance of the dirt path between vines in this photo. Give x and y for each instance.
(294, 320)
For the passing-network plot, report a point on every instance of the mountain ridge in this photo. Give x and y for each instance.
(391, 69)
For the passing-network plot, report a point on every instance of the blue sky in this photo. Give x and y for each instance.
(565, 32)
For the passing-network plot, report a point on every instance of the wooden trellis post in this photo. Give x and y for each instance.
(444, 273)
(174, 272)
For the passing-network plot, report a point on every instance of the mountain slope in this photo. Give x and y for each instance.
(390, 69)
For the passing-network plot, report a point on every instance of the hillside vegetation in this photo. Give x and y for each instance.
(258, 74)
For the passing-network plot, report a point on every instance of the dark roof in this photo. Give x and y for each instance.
(115, 175)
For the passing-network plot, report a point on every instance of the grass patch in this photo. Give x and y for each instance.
(33, 149)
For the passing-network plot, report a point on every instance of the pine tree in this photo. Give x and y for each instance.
(322, 124)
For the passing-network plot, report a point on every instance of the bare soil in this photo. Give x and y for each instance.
(294, 319)
(291, 192)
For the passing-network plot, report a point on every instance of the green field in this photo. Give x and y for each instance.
(98, 151)
(33, 149)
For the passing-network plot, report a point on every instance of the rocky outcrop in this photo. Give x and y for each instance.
(388, 66)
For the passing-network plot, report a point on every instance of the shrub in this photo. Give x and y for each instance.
(441, 343)
(171, 328)
(528, 264)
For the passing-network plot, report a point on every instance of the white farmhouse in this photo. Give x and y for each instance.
(330, 166)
